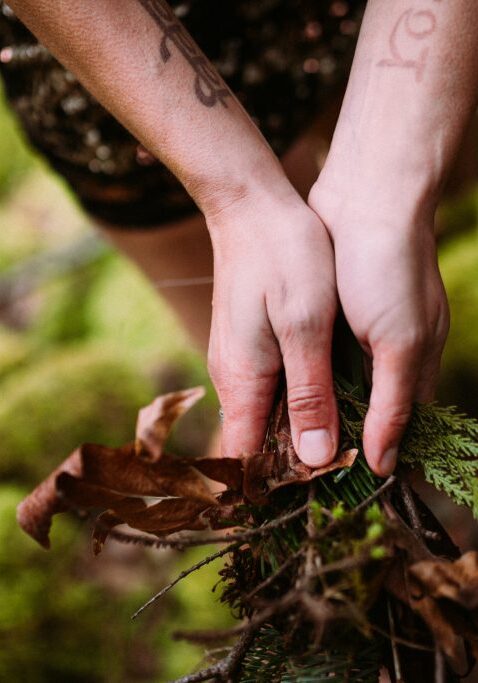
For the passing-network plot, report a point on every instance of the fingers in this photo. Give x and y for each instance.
(246, 404)
(406, 372)
(245, 377)
(399, 380)
(247, 397)
(310, 393)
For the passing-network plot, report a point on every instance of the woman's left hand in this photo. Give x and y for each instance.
(393, 297)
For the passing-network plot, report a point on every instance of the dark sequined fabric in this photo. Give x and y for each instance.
(283, 58)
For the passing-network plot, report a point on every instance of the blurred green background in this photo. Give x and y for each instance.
(84, 342)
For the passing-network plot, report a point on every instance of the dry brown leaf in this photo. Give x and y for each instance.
(229, 511)
(446, 596)
(34, 514)
(155, 421)
(106, 474)
(163, 517)
(119, 483)
(228, 471)
(455, 581)
(267, 472)
(121, 470)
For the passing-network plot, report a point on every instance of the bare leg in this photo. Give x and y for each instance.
(176, 251)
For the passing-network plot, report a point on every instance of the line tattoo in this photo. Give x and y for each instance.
(412, 26)
(208, 85)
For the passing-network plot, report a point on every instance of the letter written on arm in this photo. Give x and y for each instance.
(412, 27)
(208, 86)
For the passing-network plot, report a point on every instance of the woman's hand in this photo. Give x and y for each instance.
(392, 295)
(411, 95)
(274, 306)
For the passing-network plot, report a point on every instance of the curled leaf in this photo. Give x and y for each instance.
(34, 514)
(155, 421)
(267, 472)
(140, 485)
(227, 471)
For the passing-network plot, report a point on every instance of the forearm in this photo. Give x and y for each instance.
(411, 93)
(141, 64)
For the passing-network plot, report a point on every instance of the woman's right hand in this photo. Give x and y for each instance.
(274, 307)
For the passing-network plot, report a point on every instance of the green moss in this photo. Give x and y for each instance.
(15, 351)
(191, 605)
(459, 377)
(15, 158)
(78, 395)
(123, 307)
(56, 625)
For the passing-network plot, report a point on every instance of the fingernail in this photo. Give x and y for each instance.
(388, 461)
(315, 447)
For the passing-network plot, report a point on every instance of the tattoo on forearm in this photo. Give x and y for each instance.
(407, 41)
(208, 85)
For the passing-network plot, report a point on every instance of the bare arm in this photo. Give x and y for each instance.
(274, 288)
(411, 94)
(137, 59)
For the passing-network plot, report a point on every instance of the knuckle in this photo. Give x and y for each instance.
(298, 323)
(408, 342)
(295, 329)
(308, 399)
(391, 416)
(414, 340)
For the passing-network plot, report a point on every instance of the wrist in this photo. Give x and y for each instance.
(363, 191)
(233, 206)
(233, 174)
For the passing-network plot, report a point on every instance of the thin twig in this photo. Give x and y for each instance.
(149, 541)
(307, 580)
(182, 575)
(376, 494)
(396, 659)
(346, 564)
(212, 673)
(413, 514)
(237, 537)
(270, 579)
(440, 673)
(227, 667)
(402, 641)
(271, 610)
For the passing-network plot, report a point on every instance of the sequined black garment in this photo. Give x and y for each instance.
(283, 58)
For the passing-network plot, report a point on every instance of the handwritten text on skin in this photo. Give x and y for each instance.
(409, 35)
